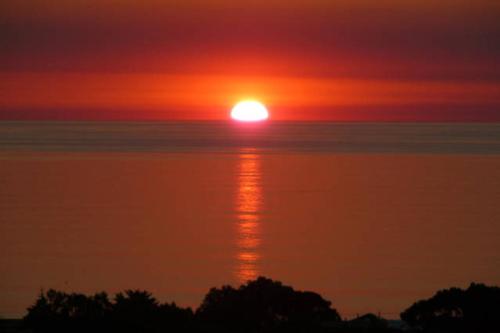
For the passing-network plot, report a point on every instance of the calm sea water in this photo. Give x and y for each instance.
(372, 216)
(476, 138)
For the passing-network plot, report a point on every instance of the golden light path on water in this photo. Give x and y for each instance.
(248, 207)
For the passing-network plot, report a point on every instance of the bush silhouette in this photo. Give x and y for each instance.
(264, 305)
(132, 311)
(139, 311)
(56, 311)
(476, 309)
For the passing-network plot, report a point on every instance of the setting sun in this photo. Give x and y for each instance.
(249, 111)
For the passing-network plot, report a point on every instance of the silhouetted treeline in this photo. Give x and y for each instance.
(262, 305)
(476, 309)
(132, 311)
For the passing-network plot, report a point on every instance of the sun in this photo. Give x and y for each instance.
(249, 111)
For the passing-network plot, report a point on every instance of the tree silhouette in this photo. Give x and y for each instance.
(56, 311)
(476, 309)
(131, 311)
(264, 305)
(136, 311)
(139, 311)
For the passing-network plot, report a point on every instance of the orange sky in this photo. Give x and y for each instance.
(307, 60)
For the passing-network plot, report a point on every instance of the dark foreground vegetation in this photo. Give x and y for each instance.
(262, 305)
(476, 309)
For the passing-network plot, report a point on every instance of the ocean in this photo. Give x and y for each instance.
(224, 136)
(373, 216)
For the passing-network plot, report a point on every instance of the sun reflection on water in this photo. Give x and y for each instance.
(248, 207)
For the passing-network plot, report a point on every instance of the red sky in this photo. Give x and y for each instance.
(307, 60)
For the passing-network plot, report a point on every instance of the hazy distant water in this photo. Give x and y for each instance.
(373, 216)
(271, 136)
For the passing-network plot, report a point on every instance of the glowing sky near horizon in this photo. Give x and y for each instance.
(310, 60)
